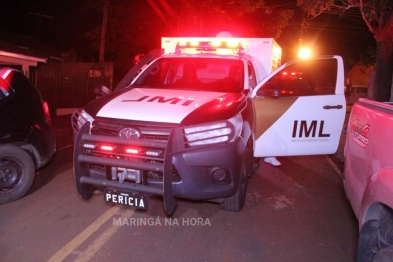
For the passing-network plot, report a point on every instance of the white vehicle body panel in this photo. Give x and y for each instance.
(287, 136)
(299, 125)
(156, 105)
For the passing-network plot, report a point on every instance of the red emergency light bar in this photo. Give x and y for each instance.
(107, 148)
(132, 151)
(293, 74)
(123, 149)
(211, 46)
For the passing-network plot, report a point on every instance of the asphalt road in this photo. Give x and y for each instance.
(295, 212)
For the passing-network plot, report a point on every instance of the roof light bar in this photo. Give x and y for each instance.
(210, 46)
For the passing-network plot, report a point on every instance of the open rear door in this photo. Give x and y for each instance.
(300, 108)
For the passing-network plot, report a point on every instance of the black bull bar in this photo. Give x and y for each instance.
(84, 181)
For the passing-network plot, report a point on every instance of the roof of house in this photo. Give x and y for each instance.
(26, 46)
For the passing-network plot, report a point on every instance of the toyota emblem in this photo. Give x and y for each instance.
(129, 133)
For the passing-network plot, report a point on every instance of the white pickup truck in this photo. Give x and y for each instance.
(189, 124)
(368, 177)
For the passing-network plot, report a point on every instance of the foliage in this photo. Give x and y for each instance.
(250, 18)
(367, 59)
(377, 14)
(69, 57)
(137, 26)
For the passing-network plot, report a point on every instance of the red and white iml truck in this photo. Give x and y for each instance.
(188, 120)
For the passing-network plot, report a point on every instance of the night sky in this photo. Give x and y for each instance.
(62, 24)
(328, 34)
(59, 23)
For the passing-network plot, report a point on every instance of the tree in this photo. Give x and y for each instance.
(137, 26)
(377, 14)
(243, 18)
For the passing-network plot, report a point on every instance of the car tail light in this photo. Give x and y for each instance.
(45, 107)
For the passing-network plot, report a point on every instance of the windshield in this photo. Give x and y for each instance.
(202, 74)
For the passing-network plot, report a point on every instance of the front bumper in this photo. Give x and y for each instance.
(198, 173)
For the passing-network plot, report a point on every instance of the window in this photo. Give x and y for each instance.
(305, 78)
(362, 89)
(202, 74)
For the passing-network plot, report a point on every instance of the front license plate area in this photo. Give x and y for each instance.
(130, 199)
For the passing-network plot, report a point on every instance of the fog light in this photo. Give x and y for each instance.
(89, 146)
(220, 175)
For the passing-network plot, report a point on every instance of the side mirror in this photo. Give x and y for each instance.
(99, 91)
(269, 90)
(136, 68)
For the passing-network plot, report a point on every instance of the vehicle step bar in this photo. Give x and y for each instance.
(123, 186)
(85, 182)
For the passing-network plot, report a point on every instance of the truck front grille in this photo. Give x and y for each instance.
(154, 132)
(107, 133)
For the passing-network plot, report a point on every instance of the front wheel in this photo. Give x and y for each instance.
(236, 202)
(16, 173)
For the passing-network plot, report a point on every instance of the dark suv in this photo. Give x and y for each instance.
(27, 140)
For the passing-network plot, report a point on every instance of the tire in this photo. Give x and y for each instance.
(376, 238)
(16, 173)
(384, 255)
(255, 163)
(249, 159)
(368, 241)
(236, 202)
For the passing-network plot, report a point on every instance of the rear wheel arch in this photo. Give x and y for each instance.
(28, 148)
(373, 212)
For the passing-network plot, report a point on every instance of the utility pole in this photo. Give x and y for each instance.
(40, 16)
(103, 31)
(301, 35)
(303, 51)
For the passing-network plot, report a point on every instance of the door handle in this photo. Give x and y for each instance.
(333, 107)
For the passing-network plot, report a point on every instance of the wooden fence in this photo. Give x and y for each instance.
(64, 90)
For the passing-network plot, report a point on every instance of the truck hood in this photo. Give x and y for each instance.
(169, 106)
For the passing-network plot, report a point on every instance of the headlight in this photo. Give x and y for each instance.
(79, 119)
(215, 132)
